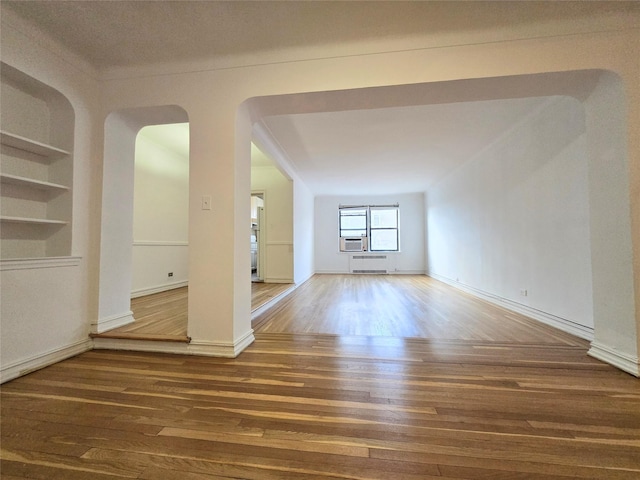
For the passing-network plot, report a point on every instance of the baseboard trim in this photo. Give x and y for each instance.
(264, 307)
(390, 272)
(208, 349)
(278, 280)
(406, 272)
(36, 362)
(141, 292)
(222, 349)
(626, 363)
(111, 322)
(560, 323)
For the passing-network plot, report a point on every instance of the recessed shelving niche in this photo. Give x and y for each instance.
(36, 173)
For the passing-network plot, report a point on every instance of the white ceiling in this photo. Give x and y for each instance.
(392, 150)
(125, 33)
(386, 150)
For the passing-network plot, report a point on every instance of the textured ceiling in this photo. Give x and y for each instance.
(116, 33)
(379, 150)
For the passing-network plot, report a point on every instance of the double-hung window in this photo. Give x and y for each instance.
(376, 225)
(383, 229)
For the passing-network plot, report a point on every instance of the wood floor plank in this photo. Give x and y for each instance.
(369, 408)
(163, 316)
(517, 401)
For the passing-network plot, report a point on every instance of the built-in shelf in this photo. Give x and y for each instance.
(32, 221)
(31, 183)
(33, 146)
(36, 171)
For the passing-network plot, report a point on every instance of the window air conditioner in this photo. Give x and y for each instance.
(353, 244)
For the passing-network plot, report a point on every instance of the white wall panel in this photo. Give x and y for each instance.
(410, 258)
(516, 217)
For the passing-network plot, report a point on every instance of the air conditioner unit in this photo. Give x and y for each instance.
(353, 244)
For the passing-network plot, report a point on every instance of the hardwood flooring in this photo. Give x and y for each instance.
(163, 316)
(296, 406)
(400, 306)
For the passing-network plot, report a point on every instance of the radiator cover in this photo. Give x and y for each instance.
(369, 263)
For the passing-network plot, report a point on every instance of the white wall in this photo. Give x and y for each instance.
(47, 304)
(160, 216)
(303, 202)
(516, 217)
(303, 233)
(210, 92)
(612, 256)
(278, 212)
(410, 258)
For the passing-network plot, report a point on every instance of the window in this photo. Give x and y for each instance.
(353, 222)
(384, 229)
(377, 225)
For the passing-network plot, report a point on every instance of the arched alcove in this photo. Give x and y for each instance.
(120, 131)
(602, 99)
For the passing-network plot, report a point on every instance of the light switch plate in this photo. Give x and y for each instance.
(206, 202)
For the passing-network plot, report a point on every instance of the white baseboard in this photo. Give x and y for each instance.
(626, 363)
(407, 272)
(36, 362)
(391, 272)
(263, 308)
(222, 349)
(560, 323)
(114, 321)
(210, 349)
(141, 292)
(278, 280)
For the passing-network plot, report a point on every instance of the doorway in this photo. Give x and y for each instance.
(257, 237)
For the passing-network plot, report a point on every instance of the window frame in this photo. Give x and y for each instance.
(367, 236)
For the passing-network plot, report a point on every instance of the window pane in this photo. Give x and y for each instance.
(353, 233)
(384, 218)
(351, 222)
(384, 239)
(353, 219)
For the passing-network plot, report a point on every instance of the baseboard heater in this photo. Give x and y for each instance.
(373, 264)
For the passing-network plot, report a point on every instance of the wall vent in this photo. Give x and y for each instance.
(369, 263)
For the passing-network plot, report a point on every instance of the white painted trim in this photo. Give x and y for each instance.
(111, 322)
(626, 363)
(263, 308)
(391, 272)
(222, 349)
(159, 243)
(543, 317)
(36, 362)
(180, 348)
(208, 349)
(31, 263)
(141, 292)
(278, 280)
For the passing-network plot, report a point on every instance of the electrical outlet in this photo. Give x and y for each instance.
(170, 274)
(524, 292)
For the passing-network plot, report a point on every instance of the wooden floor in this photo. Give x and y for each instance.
(400, 306)
(296, 406)
(163, 316)
(485, 394)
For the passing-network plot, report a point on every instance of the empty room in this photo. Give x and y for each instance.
(441, 200)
